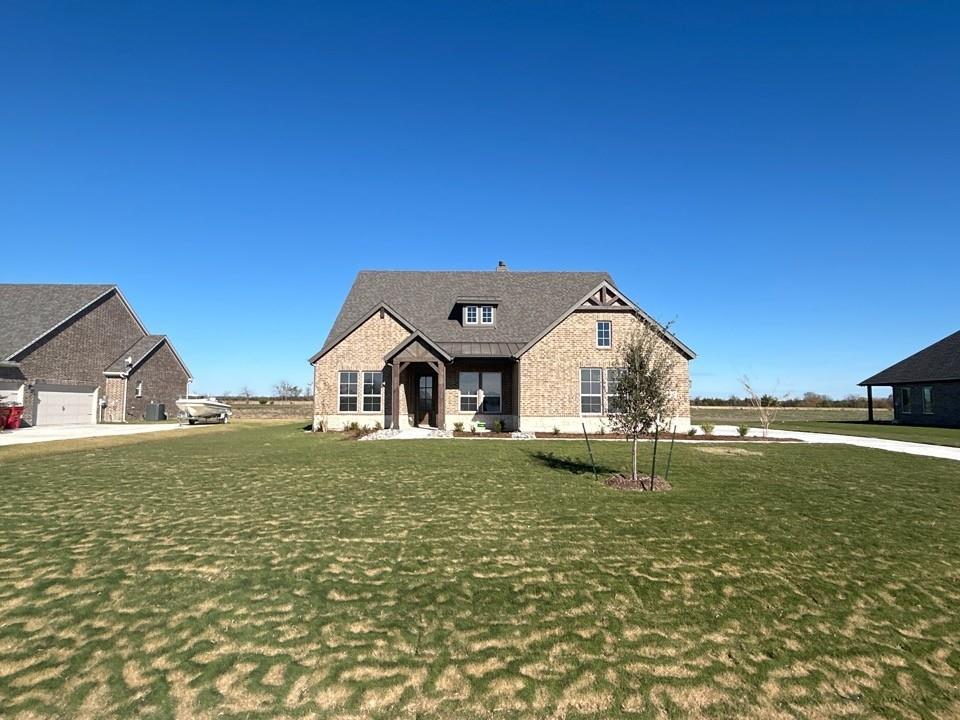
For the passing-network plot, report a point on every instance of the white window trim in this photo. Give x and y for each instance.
(138, 389)
(466, 315)
(590, 395)
(355, 395)
(361, 395)
(492, 314)
(609, 325)
(927, 410)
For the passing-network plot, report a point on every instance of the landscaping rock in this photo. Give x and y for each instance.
(442, 434)
(384, 434)
(517, 435)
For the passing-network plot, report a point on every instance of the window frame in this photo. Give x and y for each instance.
(341, 395)
(609, 333)
(607, 395)
(926, 399)
(466, 315)
(483, 312)
(138, 389)
(598, 395)
(480, 407)
(362, 390)
(906, 401)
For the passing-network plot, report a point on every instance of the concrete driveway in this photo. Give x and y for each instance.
(900, 446)
(76, 432)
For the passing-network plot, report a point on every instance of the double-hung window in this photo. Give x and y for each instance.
(470, 315)
(139, 389)
(905, 403)
(481, 392)
(372, 391)
(591, 391)
(486, 315)
(613, 390)
(928, 399)
(348, 391)
(604, 334)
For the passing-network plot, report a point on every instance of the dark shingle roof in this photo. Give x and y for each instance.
(28, 312)
(529, 302)
(137, 352)
(938, 362)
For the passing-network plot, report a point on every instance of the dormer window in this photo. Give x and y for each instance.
(469, 314)
(486, 314)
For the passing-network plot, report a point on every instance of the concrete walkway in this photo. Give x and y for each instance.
(50, 433)
(900, 446)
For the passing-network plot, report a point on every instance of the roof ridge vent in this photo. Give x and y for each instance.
(502, 266)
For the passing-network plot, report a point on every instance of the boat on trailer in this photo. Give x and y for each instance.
(196, 408)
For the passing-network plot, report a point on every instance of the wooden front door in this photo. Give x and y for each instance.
(426, 409)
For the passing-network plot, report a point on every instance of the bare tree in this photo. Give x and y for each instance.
(246, 393)
(766, 405)
(284, 389)
(642, 387)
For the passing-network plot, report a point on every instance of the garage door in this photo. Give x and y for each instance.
(65, 405)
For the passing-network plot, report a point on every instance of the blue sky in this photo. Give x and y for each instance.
(782, 180)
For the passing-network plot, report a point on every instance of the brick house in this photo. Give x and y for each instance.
(926, 385)
(535, 350)
(79, 354)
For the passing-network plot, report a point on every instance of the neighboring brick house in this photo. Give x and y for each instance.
(535, 350)
(78, 354)
(926, 385)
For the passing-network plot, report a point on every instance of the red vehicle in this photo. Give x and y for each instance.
(10, 417)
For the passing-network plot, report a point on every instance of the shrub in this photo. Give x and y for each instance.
(742, 430)
(603, 430)
(458, 426)
(692, 431)
(354, 426)
(377, 425)
(262, 401)
(498, 426)
(556, 430)
(473, 429)
(707, 428)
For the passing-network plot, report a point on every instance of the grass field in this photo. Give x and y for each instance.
(261, 572)
(737, 415)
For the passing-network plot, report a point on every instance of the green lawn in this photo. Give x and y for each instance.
(737, 415)
(260, 572)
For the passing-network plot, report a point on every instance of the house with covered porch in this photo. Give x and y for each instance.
(534, 350)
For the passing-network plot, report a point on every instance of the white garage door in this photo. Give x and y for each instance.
(63, 405)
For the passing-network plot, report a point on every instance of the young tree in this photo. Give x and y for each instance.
(766, 405)
(642, 387)
(246, 393)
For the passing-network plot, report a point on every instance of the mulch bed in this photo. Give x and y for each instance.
(488, 434)
(641, 484)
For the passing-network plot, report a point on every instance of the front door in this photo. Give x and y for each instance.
(426, 413)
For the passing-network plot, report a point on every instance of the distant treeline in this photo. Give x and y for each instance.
(808, 400)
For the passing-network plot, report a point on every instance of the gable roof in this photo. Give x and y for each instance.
(140, 351)
(529, 304)
(30, 312)
(935, 363)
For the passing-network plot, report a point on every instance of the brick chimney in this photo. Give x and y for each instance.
(502, 266)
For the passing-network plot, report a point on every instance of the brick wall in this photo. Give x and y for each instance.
(550, 370)
(78, 353)
(945, 409)
(113, 412)
(507, 370)
(362, 350)
(163, 381)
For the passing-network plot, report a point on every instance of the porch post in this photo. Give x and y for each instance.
(395, 394)
(869, 403)
(441, 395)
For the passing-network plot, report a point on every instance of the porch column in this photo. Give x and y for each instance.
(441, 395)
(394, 395)
(869, 403)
